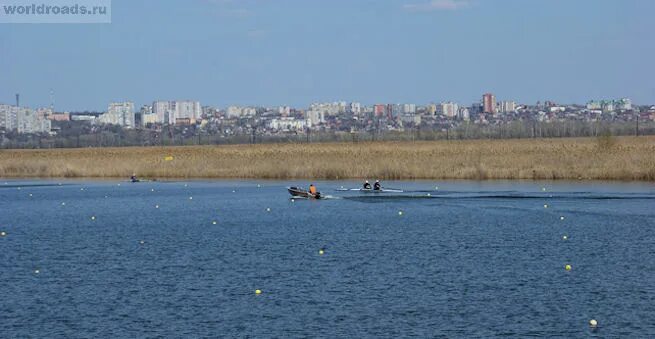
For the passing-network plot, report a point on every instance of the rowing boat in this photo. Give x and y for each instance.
(370, 190)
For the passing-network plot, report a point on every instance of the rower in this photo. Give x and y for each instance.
(377, 186)
(312, 189)
(367, 186)
(133, 178)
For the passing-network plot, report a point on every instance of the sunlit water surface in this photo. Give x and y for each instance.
(442, 259)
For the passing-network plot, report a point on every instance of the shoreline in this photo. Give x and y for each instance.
(575, 159)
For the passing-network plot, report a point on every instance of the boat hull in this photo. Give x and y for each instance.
(301, 193)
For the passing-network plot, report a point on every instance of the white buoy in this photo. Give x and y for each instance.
(545, 206)
(3, 233)
(268, 209)
(593, 323)
(429, 194)
(561, 218)
(400, 212)
(213, 222)
(30, 194)
(156, 206)
(63, 204)
(565, 237)
(37, 271)
(142, 242)
(190, 198)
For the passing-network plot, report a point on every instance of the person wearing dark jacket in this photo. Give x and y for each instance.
(367, 186)
(377, 186)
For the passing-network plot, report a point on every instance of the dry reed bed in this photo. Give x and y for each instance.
(624, 158)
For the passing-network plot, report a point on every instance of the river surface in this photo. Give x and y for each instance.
(82, 259)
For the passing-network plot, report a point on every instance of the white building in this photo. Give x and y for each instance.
(314, 118)
(409, 108)
(284, 110)
(288, 124)
(464, 114)
(507, 107)
(31, 121)
(449, 109)
(8, 118)
(355, 108)
(119, 113)
(25, 120)
(149, 118)
(172, 112)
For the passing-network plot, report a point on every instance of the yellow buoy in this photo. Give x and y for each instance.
(567, 267)
(593, 323)
(258, 291)
(168, 158)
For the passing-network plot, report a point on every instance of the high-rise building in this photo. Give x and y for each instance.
(489, 103)
(409, 108)
(449, 109)
(379, 110)
(119, 113)
(507, 106)
(172, 112)
(355, 108)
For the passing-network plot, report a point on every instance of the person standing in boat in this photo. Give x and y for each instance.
(377, 186)
(312, 189)
(367, 186)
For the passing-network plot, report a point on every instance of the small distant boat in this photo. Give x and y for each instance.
(370, 190)
(299, 192)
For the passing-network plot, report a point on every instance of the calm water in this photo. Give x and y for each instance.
(470, 260)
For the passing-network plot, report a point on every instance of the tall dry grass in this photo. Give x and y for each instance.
(624, 158)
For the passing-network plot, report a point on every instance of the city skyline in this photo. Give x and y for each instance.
(293, 53)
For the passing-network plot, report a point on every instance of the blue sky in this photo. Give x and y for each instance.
(294, 52)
